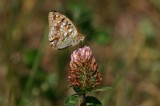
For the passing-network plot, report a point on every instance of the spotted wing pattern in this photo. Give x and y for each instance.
(62, 32)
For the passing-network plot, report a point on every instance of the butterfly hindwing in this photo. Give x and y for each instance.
(62, 32)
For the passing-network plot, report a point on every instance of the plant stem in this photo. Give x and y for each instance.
(83, 101)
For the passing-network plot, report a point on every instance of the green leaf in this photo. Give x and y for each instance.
(71, 100)
(92, 101)
(102, 89)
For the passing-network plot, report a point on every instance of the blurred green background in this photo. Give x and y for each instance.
(123, 35)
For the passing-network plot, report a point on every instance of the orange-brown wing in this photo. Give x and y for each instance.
(62, 32)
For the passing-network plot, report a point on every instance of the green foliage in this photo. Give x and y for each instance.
(1, 99)
(78, 90)
(29, 57)
(100, 89)
(71, 100)
(83, 18)
(149, 31)
(102, 38)
(92, 101)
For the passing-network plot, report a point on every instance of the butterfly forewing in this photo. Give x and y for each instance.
(62, 32)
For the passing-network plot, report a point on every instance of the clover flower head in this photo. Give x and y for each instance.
(83, 71)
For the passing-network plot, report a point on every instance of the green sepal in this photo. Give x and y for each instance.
(78, 90)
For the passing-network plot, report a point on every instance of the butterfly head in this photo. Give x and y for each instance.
(78, 39)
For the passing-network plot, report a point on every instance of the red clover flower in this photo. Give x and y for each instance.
(83, 71)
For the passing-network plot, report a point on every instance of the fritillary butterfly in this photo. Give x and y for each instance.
(62, 32)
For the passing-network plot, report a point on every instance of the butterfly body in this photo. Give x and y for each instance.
(62, 32)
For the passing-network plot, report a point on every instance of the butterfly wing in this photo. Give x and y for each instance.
(62, 32)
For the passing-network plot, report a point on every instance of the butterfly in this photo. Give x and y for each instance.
(62, 32)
